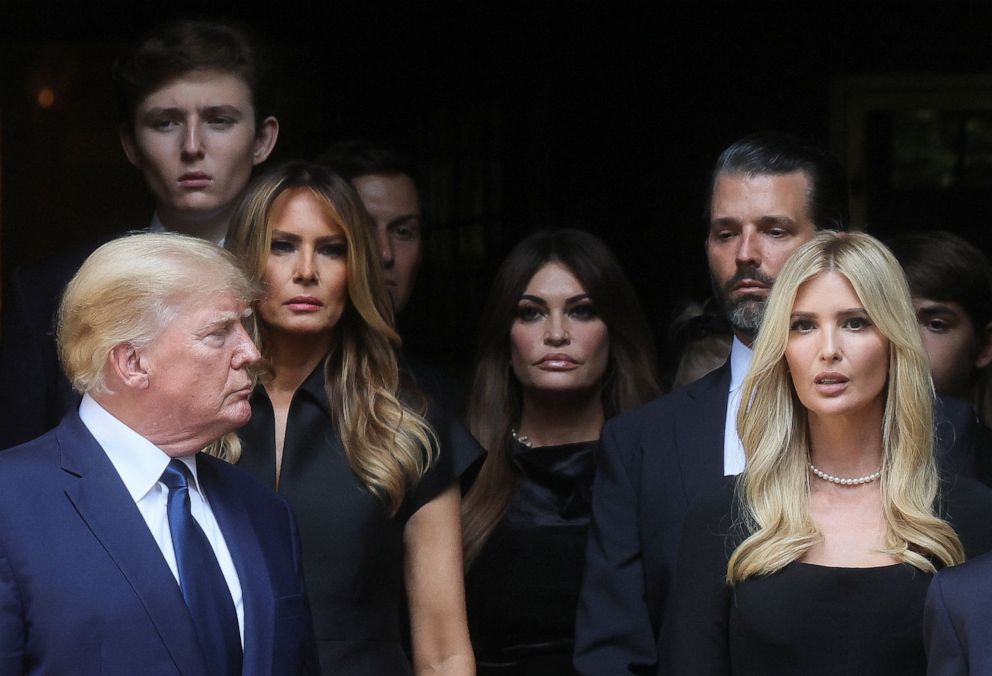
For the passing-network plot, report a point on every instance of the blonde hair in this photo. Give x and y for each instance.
(128, 290)
(774, 488)
(388, 444)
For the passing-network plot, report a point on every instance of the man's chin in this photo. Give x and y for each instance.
(745, 317)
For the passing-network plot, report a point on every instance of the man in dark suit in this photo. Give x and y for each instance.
(193, 120)
(770, 193)
(957, 620)
(123, 549)
(385, 181)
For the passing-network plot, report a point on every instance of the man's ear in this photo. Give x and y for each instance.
(984, 357)
(265, 140)
(129, 146)
(126, 364)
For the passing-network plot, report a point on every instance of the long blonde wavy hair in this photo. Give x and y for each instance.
(388, 443)
(774, 489)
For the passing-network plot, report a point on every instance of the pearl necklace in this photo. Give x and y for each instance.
(866, 479)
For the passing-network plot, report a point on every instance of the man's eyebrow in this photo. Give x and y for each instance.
(776, 220)
(936, 309)
(223, 109)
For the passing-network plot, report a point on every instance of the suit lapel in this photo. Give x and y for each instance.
(242, 538)
(104, 504)
(699, 431)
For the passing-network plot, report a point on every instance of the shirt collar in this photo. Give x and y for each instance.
(740, 361)
(139, 462)
(156, 225)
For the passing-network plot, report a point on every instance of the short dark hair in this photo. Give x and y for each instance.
(944, 267)
(357, 157)
(178, 47)
(775, 153)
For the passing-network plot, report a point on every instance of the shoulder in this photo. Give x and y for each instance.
(967, 506)
(703, 392)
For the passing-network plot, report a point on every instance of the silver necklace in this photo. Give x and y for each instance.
(866, 479)
(521, 438)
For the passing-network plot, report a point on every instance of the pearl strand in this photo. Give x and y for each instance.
(867, 479)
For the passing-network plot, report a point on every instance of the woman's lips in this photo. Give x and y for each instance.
(557, 362)
(304, 304)
(830, 383)
(195, 179)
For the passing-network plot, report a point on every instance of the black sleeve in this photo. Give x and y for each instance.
(458, 452)
(696, 642)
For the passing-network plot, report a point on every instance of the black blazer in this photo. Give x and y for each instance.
(654, 462)
(957, 621)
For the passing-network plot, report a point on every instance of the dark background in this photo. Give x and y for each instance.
(604, 116)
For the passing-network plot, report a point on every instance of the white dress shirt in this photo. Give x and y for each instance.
(733, 450)
(140, 465)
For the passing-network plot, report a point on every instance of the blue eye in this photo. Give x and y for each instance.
(857, 323)
(801, 325)
(279, 246)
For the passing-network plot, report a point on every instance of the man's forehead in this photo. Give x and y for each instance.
(760, 195)
(200, 88)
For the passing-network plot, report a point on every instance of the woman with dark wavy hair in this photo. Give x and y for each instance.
(563, 346)
(373, 482)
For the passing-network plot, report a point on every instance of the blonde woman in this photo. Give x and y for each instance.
(374, 485)
(817, 561)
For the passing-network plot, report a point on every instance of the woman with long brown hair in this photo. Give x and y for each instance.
(563, 347)
(373, 482)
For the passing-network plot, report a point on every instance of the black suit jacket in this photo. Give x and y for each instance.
(957, 620)
(84, 588)
(654, 462)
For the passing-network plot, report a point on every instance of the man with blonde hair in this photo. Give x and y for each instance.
(124, 549)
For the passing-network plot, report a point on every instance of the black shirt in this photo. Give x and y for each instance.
(352, 548)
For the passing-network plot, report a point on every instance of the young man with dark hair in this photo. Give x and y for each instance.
(193, 121)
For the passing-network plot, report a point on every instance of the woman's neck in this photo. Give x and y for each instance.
(293, 358)
(846, 446)
(556, 419)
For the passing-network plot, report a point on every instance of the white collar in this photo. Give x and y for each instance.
(740, 361)
(139, 462)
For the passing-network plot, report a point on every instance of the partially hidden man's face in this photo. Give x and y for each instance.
(756, 223)
(195, 140)
(394, 206)
(197, 372)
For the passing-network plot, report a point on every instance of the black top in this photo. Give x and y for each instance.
(523, 587)
(352, 549)
(805, 619)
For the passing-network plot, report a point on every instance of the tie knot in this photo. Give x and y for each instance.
(176, 475)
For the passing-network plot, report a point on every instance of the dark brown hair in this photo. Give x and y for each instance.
(495, 400)
(178, 47)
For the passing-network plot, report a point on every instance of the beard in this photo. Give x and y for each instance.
(745, 313)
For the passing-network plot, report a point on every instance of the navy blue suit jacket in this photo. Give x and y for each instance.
(957, 620)
(654, 462)
(84, 588)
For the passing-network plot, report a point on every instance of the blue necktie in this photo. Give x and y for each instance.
(204, 588)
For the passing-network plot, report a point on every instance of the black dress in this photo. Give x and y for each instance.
(523, 587)
(352, 549)
(805, 619)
